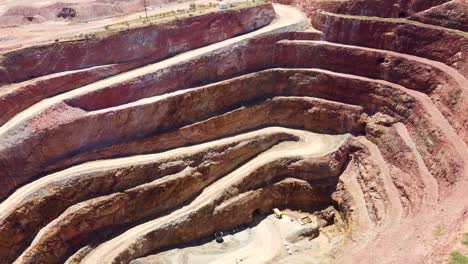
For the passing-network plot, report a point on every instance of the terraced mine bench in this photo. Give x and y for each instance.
(165, 148)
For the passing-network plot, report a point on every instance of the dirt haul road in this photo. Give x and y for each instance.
(288, 18)
(310, 144)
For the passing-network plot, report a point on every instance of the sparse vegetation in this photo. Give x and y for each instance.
(457, 258)
(439, 231)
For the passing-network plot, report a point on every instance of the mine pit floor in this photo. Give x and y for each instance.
(268, 240)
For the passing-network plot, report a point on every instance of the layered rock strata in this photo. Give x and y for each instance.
(284, 116)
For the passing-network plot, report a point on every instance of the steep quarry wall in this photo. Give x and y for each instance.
(207, 166)
(377, 8)
(446, 89)
(76, 63)
(450, 15)
(15, 98)
(148, 44)
(430, 42)
(367, 116)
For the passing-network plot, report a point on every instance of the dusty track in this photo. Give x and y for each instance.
(110, 250)
(287, 19)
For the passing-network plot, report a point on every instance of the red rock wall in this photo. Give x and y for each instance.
(379, 8)
(435, 44)
(17, 97)
(186, 182)
(251, 55)
(444, 91)
(149, 43)
(254, 54)
(453, 14)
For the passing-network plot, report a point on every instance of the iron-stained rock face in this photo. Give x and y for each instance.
(137, 142)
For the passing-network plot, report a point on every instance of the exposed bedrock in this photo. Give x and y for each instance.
(443, 83)
(364, 206)
(447, 89)
(15, 98)
(349, 201)
(90, 216)
(210, 203)
(275, 111)
(400, 230)
(427, 41)
(164, 108)
(170, 38)
(246, 56)
(421, 5)
(83, 133)
(415, 183)
(312, 83)
(366, 194)
(382, 65)
(129, 184)
(452, 14)
(445, 86)
(290, 193)
(377, 8)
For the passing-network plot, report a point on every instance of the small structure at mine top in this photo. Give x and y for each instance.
(223, 5)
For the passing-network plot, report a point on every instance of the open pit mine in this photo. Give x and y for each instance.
(299, 131)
